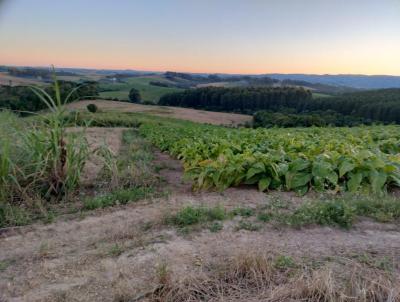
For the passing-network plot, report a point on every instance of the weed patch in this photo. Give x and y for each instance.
(13, 215)
(248, 226)
(332, 212)
(121, 196)
(284, 262)
(215, 227)
(115, 250)
(341, 211)
(243, 212)
(190, 215)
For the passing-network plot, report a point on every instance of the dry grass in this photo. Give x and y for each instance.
(200, 116)
(5, 79)
(256, 277)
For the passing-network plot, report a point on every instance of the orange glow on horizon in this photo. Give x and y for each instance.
(225, 36)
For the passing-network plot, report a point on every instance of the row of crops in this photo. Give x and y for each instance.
(336, 159)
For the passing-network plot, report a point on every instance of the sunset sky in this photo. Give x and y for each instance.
(227, 36)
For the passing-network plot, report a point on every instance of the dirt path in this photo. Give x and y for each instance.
(113, 254)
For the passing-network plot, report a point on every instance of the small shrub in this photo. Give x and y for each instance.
(194, 215)
(248, 226)
(284, 262)
(264, 217)
(216, 227)
(92, 108)
(244, 212)
(332, 212)
(115, 250)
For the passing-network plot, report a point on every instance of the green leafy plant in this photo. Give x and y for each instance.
(359, 159)
(39, 159)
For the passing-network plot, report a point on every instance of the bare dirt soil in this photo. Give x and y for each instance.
(115, 254)
(200, 116)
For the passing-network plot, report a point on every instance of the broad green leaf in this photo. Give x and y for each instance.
(297, 179)
(263, 184)
(390, 168)
(377, 180)
(333, 178)
(345, 167)
(318, 183)
(252, 180)
(321, 169)
(354, 182)
(255, 169)
(299, 165)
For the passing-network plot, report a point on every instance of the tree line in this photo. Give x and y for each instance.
(22, 99)
(238, 99)
(29, 72)
(374, 105)
(381, 105)
(267, 119)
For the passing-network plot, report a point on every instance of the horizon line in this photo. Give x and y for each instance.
(200, 72)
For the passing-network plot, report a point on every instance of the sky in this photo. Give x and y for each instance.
(212, 36)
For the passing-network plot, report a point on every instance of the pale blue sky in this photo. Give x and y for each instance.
(236, 36)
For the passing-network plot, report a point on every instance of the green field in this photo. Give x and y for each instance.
(148, 92)
(298, 159)
(320, 95)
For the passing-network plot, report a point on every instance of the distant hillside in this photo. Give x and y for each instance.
(355, 81)
(325, 83)
(188, 80)
(151, 88)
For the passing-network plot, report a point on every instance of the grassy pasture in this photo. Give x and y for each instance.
(320, 95)
(5, 79)
(148, 92)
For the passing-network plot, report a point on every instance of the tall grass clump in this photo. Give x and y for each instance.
(39, 159)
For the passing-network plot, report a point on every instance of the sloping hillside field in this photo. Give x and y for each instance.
(338, 159)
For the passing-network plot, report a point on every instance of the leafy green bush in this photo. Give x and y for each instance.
(92, 108)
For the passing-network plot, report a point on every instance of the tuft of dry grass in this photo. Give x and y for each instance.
(256, 277)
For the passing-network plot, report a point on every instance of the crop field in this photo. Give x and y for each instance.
(336, 159)
(152, 203)
(148, 92)
(6, 79)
